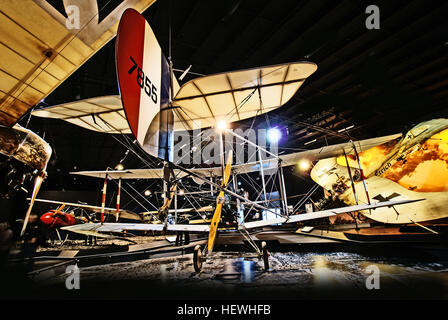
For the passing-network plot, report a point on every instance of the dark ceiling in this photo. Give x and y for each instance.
(381, 81)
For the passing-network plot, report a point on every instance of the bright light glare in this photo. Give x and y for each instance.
(147, 193)
(181, 192)
(274, 135)
(304, 165)
(119, 167)
(221, 125)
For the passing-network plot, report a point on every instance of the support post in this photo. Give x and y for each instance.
(283, 189)
(175, 205)
(211, 185)
(238, 202)
(103, 200)
(118, 200)
(262, 178)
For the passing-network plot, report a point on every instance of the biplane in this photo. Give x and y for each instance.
(152, 106)
(413, 166)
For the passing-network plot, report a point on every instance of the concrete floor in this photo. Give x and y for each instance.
(323, 273)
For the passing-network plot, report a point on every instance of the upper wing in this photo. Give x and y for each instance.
(123, 213)
(183, 210)
(287, 160)
(146, 173)
(40, 48)
(315, 154)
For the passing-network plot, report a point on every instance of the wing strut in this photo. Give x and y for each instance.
(362, 172)
(118, 200)
(103, 200)
(351, 177)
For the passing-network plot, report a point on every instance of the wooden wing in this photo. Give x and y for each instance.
(41, 46)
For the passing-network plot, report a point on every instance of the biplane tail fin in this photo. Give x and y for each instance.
(145, 85)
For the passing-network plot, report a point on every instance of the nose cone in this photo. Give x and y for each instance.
(47, 218)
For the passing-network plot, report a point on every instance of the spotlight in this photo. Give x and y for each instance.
(181, 192)
(119, 167)
(221, 125)
(274, 135)
(304, 164)
(147, 193)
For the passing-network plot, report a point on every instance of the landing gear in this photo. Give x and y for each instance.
(197, 258)
(265, 254)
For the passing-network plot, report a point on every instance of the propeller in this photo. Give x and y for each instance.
(164, 210)
(185, 73)
(59, 210)
(219, 203)
(37, 183)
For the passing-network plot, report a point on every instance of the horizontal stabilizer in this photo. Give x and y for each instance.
(101, 114)
(237, 95)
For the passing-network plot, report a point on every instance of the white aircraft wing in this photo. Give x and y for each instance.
(146, 173)
(114, 227)
(122, 213)
(183, 210)
(323, 214)
(103, 114)
(287, 160)
(238, 95)
(188, 227)
(120, 227)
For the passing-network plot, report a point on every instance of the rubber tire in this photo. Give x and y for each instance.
(197, 258)
(265, 256)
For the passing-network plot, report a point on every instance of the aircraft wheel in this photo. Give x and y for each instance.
(265, 256)
(197, 258)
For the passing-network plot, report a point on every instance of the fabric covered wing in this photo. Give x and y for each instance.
(102, 114)
(287, 160)
(39, 51)
(238, 95)
(120, 227)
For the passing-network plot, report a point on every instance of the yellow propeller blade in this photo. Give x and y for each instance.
(226, 177)
(60, 208)
(219, 203)
(167, 202)
(215, 221)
